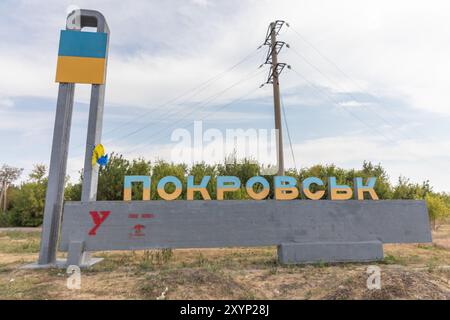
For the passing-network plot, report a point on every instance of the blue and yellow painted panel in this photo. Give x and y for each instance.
(360, 188)
(162, 188)
(129, 180)
(82, 57)
(261, 194)
(285, 188)
(307, 191)
(202, 188)
(338, 192)
(227, 184)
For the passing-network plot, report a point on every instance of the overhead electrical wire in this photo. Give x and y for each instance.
(374, 129)
(335, 102)
(333, 82)
(356, 84)
(192, 111)
(201, 119)
(189, 93)
(353, 81)
(201, 105)
(288, 132)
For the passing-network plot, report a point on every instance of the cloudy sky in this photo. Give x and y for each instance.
(369, 79)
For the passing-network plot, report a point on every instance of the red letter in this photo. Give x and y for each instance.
(98, 220)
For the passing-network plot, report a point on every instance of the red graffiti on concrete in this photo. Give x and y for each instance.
(98, 219)
(138, 230)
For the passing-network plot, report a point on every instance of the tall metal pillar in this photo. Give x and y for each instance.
(95, 124)
(57, 174)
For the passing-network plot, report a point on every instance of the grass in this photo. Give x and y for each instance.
(26, 288)
(229, 273)
(20, 235)
(20, 247)
(19, 242)
(26, 247)
(391, 259)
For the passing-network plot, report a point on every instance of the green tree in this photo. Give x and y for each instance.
(383, 187)
(111, 178)
(7, 176)
(27, 203)
(243, 169)
(405, 189)
(200, 170)
(323, 172)
(163, 169)
(437, 209)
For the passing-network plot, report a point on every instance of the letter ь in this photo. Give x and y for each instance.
(98, 219)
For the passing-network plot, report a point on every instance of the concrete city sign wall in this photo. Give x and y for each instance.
(304, 231)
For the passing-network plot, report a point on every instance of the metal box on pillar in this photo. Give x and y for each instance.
(82, 57)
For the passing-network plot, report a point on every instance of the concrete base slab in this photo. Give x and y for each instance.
(296, 253)
(61, 264)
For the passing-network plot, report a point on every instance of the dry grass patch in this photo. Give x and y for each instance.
(408, 272)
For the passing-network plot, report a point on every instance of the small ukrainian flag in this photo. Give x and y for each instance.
(82, 57)
(98, 156)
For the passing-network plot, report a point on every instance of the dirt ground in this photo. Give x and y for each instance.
(407, 272)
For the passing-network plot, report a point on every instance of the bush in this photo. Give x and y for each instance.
(26, 205)
(26, 202)
(437, 209)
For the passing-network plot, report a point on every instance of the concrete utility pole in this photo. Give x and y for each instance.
(276, 68)
(276, 99)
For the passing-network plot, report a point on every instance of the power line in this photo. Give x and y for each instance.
(191, 92)
(329, 97)
(288, 132)
(352, 114)
(192, 110)
(173, 125)
(333, 82)
(380, 103)
(354, 82)
(201, 119)
(168, 112)
(175, 112)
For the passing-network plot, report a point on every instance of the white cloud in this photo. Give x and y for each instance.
(26, 124)
(390, 48)
(415, 159)
(355, 104)
(419, 160)
(6, 103)
(201, 3)
(395, 49)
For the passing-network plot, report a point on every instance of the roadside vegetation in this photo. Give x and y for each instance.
(24, 205)
(409, 271)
